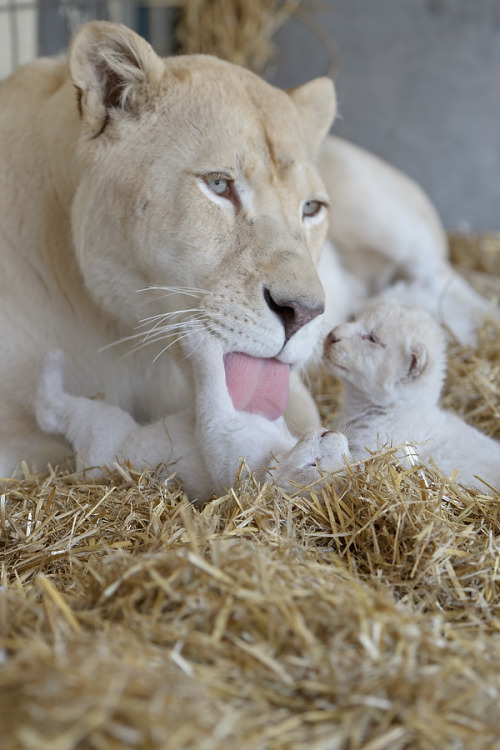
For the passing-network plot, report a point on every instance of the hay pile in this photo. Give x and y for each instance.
(242, 32)
(235, 30)
(365, 617)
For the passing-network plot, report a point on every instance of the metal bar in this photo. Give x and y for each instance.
(14, 34)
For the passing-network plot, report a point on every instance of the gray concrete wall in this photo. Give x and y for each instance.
(419, 84)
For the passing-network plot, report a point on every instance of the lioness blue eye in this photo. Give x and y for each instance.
(218, 184)
(311, 208)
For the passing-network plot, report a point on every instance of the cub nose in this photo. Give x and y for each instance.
(293, 314)
(331, 338)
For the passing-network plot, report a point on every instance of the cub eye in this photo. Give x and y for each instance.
(311, 208)
(219, 184)
(369, 337)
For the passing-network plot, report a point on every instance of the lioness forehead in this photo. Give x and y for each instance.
(228, 103)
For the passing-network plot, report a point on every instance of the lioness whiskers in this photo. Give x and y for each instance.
(171, 290)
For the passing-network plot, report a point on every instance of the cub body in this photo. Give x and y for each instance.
(204, 448)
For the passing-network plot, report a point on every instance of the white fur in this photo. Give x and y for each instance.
(106, 236)
(392, 361)
(204, 448)
(390, 239)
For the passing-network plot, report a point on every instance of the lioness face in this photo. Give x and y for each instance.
(198, 185)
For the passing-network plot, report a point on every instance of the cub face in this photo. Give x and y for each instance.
(391, 354)
(198, 185)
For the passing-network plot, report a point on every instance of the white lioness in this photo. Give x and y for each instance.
(139, 196)
(159, 193)
(392, 363)
(202, 448)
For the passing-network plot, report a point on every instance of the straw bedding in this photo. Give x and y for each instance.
(236, 30)
(367, 616)
(242, 32)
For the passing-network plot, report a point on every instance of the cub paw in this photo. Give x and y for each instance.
(316, 454)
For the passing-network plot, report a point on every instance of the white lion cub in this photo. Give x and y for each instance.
(391, 361)
(209, 444)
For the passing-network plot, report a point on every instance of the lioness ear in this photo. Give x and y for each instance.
(110, 66)
(317, 105)
(418, 360)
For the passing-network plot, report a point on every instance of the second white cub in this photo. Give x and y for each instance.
(391, 361)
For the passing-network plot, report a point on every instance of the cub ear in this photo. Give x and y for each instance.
(110, 66)
(317, 104)
(418, 360)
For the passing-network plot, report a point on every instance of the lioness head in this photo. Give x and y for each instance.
(198, 183)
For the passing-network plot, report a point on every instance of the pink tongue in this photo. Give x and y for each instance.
(258, 386)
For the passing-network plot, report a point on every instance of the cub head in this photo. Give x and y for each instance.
(198, 197)
(392, 354)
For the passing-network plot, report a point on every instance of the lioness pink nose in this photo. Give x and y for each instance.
(293, 314)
